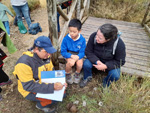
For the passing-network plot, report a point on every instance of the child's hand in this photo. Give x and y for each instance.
(75, 57)
(58, 86)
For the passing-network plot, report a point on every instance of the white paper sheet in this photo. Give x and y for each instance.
(57, 95)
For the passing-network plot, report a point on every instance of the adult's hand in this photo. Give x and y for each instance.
(101, 66)
(58, 86)
(99, 62)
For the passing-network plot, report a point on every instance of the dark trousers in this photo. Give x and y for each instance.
(40, 102)
(3, 76)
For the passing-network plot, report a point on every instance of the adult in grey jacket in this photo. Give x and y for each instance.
(105, 51)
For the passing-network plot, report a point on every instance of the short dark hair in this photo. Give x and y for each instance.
(75, 23)
(34, 46)
(109, 31)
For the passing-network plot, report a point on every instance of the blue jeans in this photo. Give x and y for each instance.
(24, 9)
(6, 24)
(113, 75)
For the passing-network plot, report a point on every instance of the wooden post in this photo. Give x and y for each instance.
(60, 11)
(145, 16)
(65, 27)
(88, 6)
(78, 9)
(82, 10)
(82, 6)
(53, 33)
(58, 2)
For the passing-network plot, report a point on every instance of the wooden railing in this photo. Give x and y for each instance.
(146, 19)
(53, 6)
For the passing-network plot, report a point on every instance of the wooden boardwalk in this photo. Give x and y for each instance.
(136, 40)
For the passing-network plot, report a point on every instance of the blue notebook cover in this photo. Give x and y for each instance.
(53, 74)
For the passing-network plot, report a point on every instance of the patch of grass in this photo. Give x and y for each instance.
(130, 94)
(33, 4)
(126, 10)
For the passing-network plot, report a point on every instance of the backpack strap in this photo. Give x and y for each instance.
(115, 45)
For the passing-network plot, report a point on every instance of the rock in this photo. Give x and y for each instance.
(69, 106)
(72, 108)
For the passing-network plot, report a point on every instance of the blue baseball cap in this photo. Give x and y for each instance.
(45, 43)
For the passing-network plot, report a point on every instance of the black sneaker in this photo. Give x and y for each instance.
(83, 83)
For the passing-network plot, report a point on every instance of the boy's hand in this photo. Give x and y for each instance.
(58, 86)
(75, 57)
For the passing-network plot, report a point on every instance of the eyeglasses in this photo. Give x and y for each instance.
(100, 38)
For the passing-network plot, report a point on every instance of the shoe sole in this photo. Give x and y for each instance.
(44, 111)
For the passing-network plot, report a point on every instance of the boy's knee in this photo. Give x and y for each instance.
(70, 64)
(79, 63)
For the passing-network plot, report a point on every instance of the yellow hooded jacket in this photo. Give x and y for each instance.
(28, 72)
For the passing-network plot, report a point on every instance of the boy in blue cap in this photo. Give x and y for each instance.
(28, 72)
(72, 49)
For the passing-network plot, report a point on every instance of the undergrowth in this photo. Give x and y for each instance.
(126, 10)
(130, 94)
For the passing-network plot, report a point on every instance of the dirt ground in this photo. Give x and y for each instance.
(12, 101)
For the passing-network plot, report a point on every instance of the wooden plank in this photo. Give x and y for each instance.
(134, 72)
(121, 27)
(138, 62)
(126, 30)
(137, 46)
(137, 43)
(133, 48)
(137, 67)
(114, 21)
(137, 57)
(117, 25)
